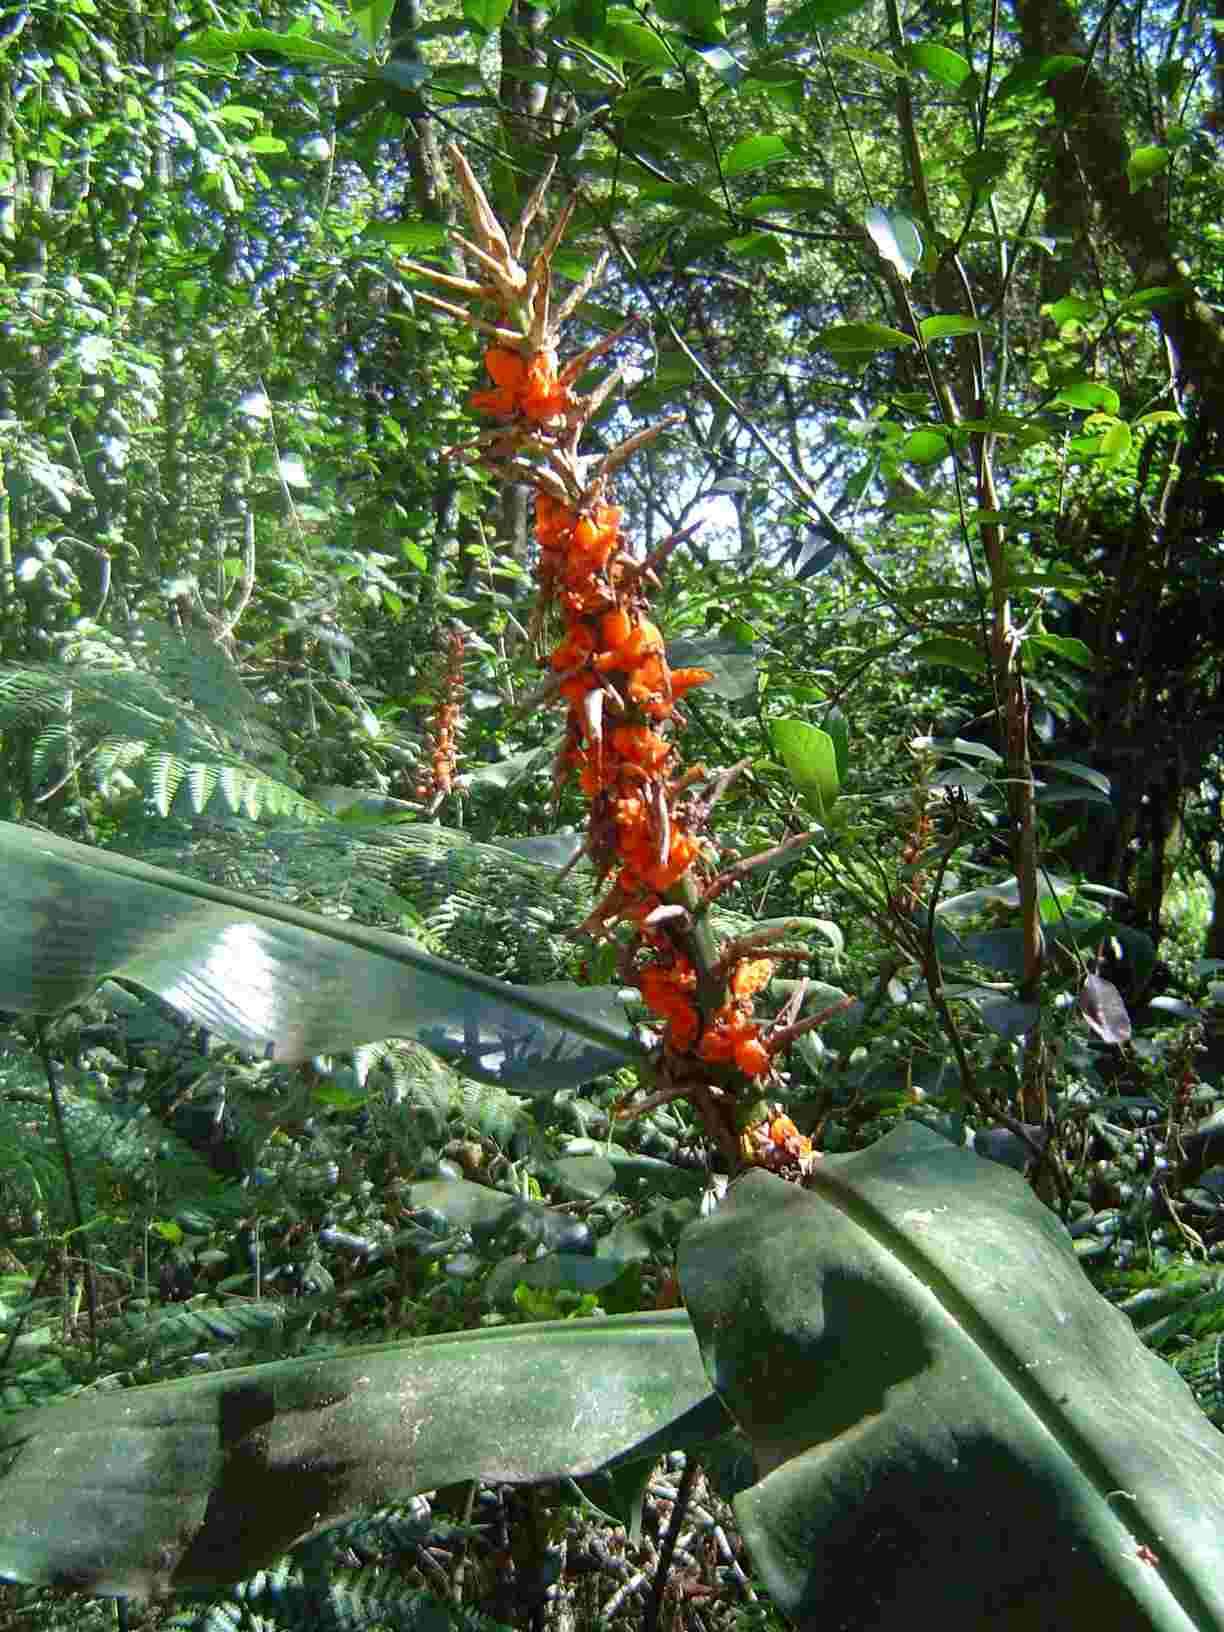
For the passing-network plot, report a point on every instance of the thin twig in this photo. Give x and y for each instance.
(654, 1603)
(74, 1194)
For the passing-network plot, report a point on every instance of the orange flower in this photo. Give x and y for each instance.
(541, 397)
(683, 680)
(751, 976)
(641, 746)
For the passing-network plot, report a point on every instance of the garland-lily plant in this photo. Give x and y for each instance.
(647, 834)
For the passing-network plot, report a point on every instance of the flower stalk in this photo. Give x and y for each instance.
(647, 836)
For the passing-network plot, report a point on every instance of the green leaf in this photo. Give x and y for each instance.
(1072, 309)
(946, 326)
(203, 1481)
(486, 15)
(862, 338)
(1082, 773)
(868, 59)
(1146, 300)
(419, 237)
(985, 167)
(371, 19)
(754, 153)
(758, 246)
(723, 62)
(948, 67)
(1144, 164)
(1067, 647)
(1089, 394)
(816, 15)
(924, 447)
(217, 44)
(1030, 73)
(838, 727)
(655, 102)
(269, 977)
(633, 43)
(957, 745)
(810, 755)
(701, 18)
(925, 1375)
(791, 201)
(897, 239)
(1116, 443)
(949, 652)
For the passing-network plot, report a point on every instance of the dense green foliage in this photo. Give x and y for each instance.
(933, 297)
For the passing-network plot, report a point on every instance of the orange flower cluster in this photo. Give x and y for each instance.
(732, 1035)
(439, 779)
(522, 385)
(776, 1143)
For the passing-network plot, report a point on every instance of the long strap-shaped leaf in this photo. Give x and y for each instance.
(951, 1424)
(270, 977)
(204, 1480)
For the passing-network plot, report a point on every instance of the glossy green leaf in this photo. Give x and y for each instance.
(370, 20)
(819, 14)
(701, 18)
(924, 447)
(633, 43)
(1073, 309)
(1069, 647)
(868, 59)
(758, 246)
(945, 66)
(943, 1412)
(1144, 164)
(754, 153)
(1146, 300)
(957, 745)
(862, 337)
(810, 755)
(1088, 394)
(897, 238)
(418, 237)
(951, 652)
(486, 15)
(1031, 73)
(218, 44)
(947, 326)
(269, 977)
(1082, 773)
(204, 1480)
(1116, 442)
